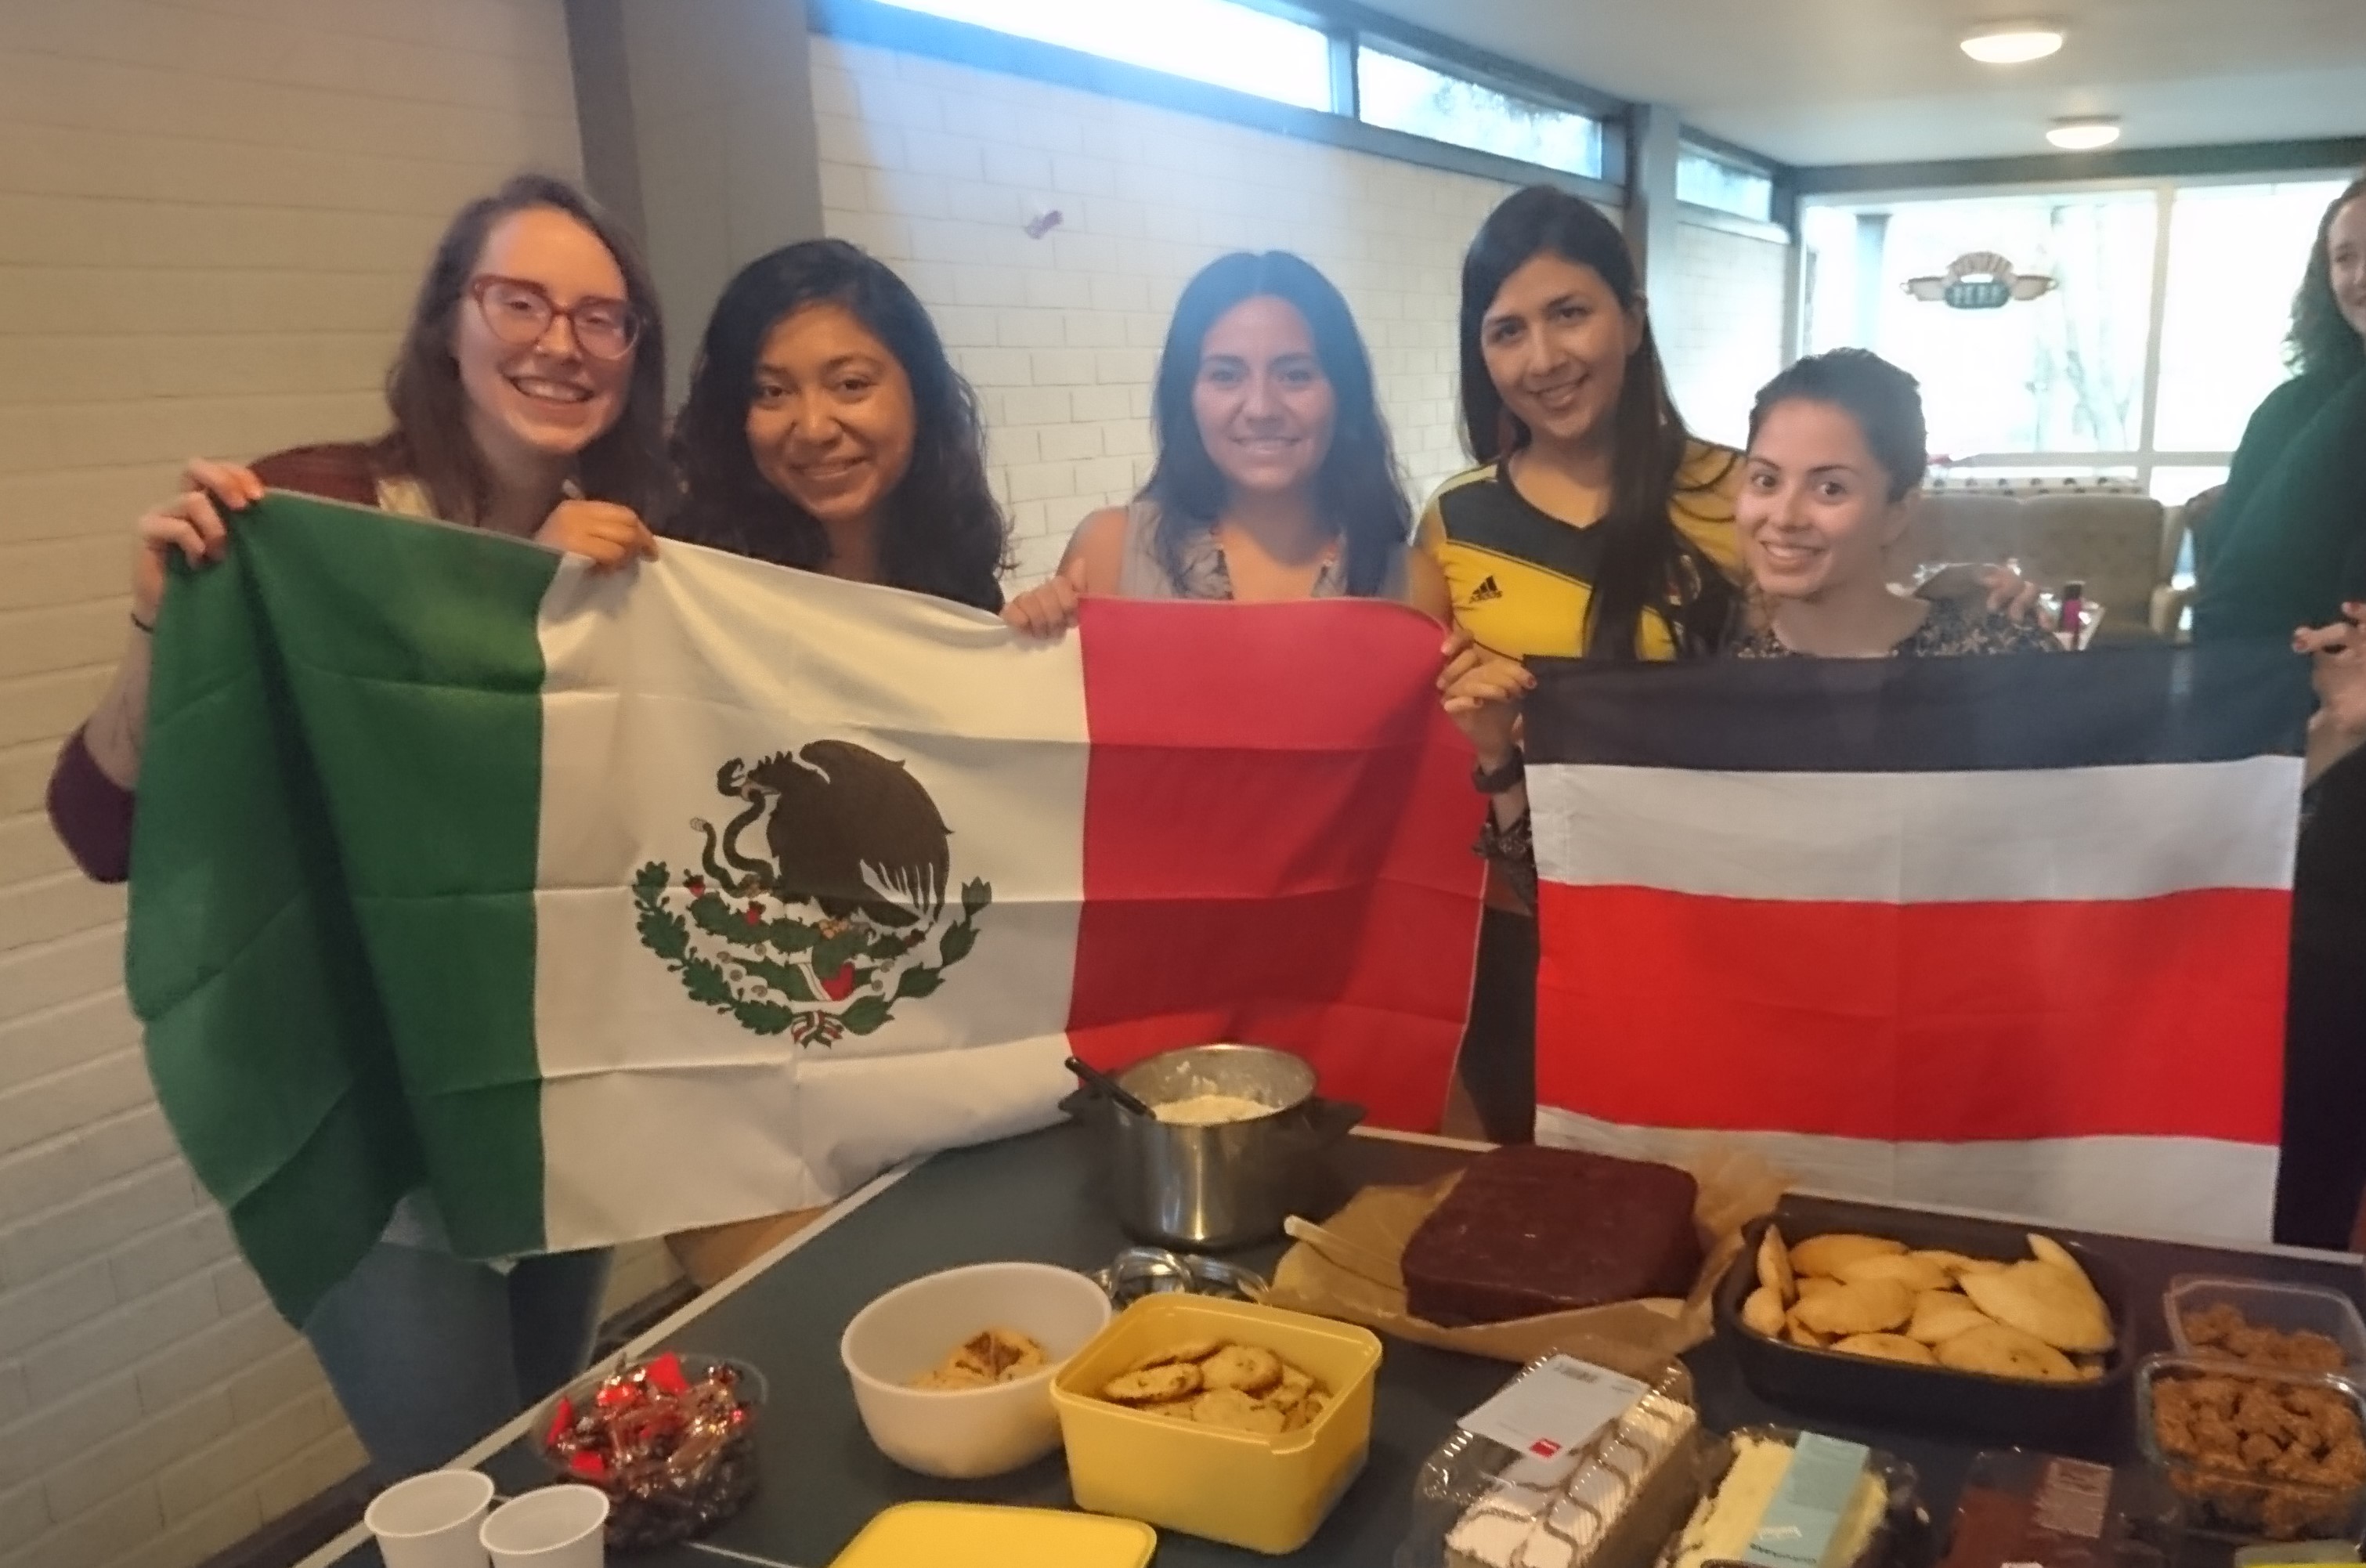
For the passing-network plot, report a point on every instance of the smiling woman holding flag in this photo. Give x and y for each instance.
(1276, 480)
(827, 429)
(526, 400)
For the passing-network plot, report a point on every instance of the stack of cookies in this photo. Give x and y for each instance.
(992, 1356)
(1239, 1388)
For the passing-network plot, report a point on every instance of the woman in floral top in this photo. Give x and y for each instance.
(1835, 465)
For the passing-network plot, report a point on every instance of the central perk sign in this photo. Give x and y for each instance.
(1982, 280)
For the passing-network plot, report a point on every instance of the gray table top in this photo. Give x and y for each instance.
(1037, 1198)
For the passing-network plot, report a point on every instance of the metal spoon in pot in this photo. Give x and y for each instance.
(1102, 1083)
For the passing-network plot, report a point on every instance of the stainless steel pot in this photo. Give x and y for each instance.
(1227, 1184)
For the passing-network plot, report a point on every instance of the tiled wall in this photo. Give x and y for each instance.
(1725, 338)
(938, 168)
(212, 216)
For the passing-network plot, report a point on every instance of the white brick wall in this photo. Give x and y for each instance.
(212, 216)
(935, 168)
(1725, 338)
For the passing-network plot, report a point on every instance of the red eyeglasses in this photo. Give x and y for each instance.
(520, 312)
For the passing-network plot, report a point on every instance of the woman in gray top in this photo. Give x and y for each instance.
(1275, 479)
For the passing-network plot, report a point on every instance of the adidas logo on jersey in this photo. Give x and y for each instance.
(1485, 592)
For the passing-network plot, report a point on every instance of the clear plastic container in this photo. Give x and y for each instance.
(2288, 1309)
(2023, 1510)
(2231, 1503)
(1611, 1503)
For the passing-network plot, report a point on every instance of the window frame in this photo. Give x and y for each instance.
(2147, 456)
(1349, 26)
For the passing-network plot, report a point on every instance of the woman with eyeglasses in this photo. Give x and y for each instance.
(527, 398)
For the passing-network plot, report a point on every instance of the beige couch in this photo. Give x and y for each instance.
(2122, 548)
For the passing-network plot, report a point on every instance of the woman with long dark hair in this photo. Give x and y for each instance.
(1276, 479)
(827, 429)
(2286, 548)
(527, 398)
(1593, 525)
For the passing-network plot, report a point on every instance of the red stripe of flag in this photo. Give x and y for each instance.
(1278, 831)
(1933, 1021)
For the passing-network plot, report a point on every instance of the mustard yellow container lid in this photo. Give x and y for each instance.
(980, 1535)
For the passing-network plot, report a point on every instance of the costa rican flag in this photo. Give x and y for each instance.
(2004, 933)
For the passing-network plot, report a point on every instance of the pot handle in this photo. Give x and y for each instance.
(1331, 1119)
(1079, 1103)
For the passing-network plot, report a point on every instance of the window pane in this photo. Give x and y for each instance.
(1396, 92)
(2063, 372)
(1207, 40)
(1707, 180)
(2235, 253)
(2175, 487)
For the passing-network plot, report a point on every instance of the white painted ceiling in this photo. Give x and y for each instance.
(1816, 82)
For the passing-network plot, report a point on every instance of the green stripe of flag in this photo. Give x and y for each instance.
(335, 967)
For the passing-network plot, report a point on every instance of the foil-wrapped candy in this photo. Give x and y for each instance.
(673, 1448)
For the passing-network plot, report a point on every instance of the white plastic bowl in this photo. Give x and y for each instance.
(965, 1434)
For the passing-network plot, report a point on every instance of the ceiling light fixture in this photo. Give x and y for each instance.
(2085, 134)
(2013, 43)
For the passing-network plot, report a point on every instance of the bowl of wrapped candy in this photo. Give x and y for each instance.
(670, 1440)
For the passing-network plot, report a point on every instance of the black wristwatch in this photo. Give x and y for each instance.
(1502, 778)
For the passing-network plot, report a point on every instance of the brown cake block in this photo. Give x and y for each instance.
(1531, 1230)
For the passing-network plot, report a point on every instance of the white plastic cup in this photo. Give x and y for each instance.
(559, 1526)
(431, 1520)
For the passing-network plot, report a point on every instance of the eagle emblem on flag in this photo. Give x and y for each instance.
(810, 912)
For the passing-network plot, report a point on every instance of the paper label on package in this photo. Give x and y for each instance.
(1550, 1416)
(1796, 1529)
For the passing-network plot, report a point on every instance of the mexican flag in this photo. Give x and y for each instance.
(2003, 933)
(602, 907)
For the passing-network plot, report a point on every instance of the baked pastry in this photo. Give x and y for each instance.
(1530, 1230)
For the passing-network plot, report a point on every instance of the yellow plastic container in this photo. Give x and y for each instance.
(980, 1535)
(1265, 1494)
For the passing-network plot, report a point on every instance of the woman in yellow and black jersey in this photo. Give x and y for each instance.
(1592, 525)
(1522, 579)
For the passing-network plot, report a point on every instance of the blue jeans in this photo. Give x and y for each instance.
(429, 1352)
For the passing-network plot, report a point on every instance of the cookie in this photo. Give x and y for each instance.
(1798, 1333)
(1954, 1263)
(1916, 1274)
(1774, 1269)
(1828, 1255)
(2003, 1351)
(1184, 1350)
(1292, 1391)
(1153, 1385)
(1247, 1368)
(1235, 1411)
(1940, 1316)
(2054, 1304)
(1874, 1306)
(1887, 1348)
(1762, 1312)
